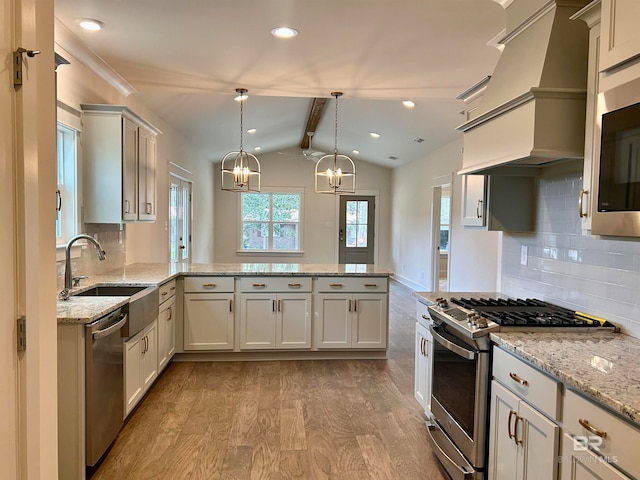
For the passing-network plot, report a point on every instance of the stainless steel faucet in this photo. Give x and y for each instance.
(68, 277)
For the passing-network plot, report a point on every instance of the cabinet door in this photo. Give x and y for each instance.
(333, 321)
(133, 389)
(150, 356)
(171, 330)
(258, 321)
(473, 200)
(584, 464)
(538, 453)
(208, 321)
(293, 328)
(369, 324)
(163, 317)
(422, 371)
(129, 170)
(146, 175)
(503, 450)
(620, 32)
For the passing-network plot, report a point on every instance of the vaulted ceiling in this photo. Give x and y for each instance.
(185, 60)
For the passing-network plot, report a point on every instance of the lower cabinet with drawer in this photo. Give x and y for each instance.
(166, 324)
(208, 314)
(523, 441)
(351, 313)
(597, 443)
(275, 313)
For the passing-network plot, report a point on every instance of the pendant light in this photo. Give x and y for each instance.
(335, 173)
(240, 170)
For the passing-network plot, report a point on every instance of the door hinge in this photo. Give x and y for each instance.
(21, 331)
(17, 64)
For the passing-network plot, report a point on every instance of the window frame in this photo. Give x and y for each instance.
(67, 154)
(270, 251)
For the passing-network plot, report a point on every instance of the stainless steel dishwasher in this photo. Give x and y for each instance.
(104, 379)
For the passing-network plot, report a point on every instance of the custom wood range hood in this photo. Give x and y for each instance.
(532, 110)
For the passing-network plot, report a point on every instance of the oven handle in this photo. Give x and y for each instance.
(457, 349)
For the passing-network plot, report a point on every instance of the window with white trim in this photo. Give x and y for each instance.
(271, 221)
(67, 207)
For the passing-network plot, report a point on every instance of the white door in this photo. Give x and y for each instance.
(28, 420)
(179, 219)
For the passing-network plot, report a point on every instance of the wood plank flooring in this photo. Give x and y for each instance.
(335, 419)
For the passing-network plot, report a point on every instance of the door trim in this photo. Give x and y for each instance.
(438, 183)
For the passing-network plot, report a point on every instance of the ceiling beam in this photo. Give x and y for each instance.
(315, 113)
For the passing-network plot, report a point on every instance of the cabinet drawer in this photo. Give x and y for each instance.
(422, 314)
(352, 284)
(208, 284)
(620, 438)
(275, 284)
(167, 290)
(529, 383)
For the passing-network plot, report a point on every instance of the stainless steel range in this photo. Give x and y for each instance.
(462, 369)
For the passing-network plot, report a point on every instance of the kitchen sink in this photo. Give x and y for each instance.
(142, 308)
(111, 291)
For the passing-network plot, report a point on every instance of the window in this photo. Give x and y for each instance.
(445, 207)
(271, 222)
(67, 208)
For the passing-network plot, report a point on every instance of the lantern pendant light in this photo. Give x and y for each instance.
(335, 173)
(240, 170)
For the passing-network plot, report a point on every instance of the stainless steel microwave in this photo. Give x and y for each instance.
(616, 185)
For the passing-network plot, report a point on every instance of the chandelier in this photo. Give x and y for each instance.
(335, 173)
(240, 169)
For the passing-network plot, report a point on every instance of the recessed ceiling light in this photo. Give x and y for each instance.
(241, 97)
(374, 135)
(257, 149)
(251, 130)
(408, 104)
(356, 152)
(90, 24)
(284, 32)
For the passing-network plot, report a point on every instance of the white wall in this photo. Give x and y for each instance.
(292, 169)
(473, 253)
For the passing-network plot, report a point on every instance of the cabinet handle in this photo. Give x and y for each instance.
(279, 305)
(58, 201)
(518, 379)
(295, 285)
(515, 430)
(349, 305)
(273, 305)
(355, 305)
(335, 285)
(231, 305)
(585, 423)
(426, 317)
(581, 212)
(173, 289)
(170, 314)
(259, 285)
(479, 209)
(209, 285)
(423, 343)
(511, 414)
(370, 284)
(127, 206)
(164, 293)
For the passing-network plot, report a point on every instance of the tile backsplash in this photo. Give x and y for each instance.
(112, 240)
(569, 268)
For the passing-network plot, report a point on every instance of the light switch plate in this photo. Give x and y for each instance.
(524, 253)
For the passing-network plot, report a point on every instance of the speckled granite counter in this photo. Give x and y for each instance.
(602, 365)
(87, 309)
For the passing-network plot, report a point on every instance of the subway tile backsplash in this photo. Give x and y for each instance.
(580, 272)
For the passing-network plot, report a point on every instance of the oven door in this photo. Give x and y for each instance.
(459, 393)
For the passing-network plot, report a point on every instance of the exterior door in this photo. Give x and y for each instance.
(179, 220)
(28, 419)
(357, 222)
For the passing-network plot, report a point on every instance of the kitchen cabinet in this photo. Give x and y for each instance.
(524, 412)
(209, 313)
(351, 320)
(423, 359)
(499, 202)
(275, 313)
(593, 431)
(166, 324)
(523, 443)
(620, 32)
(140, 365)
(119, 165)
(591, 16)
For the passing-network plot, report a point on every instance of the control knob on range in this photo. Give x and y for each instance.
(441, 302)
(481, 322)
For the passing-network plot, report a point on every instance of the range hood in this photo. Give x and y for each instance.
(532, 110)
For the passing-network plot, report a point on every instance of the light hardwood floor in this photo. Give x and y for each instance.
(283, 419)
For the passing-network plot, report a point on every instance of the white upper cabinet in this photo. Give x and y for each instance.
(120, 156)
(620, 32)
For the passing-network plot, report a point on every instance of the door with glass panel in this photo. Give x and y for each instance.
(179, 220)
(356, 234)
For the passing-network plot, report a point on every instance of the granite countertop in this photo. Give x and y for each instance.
(603, 365)
(82, 310)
